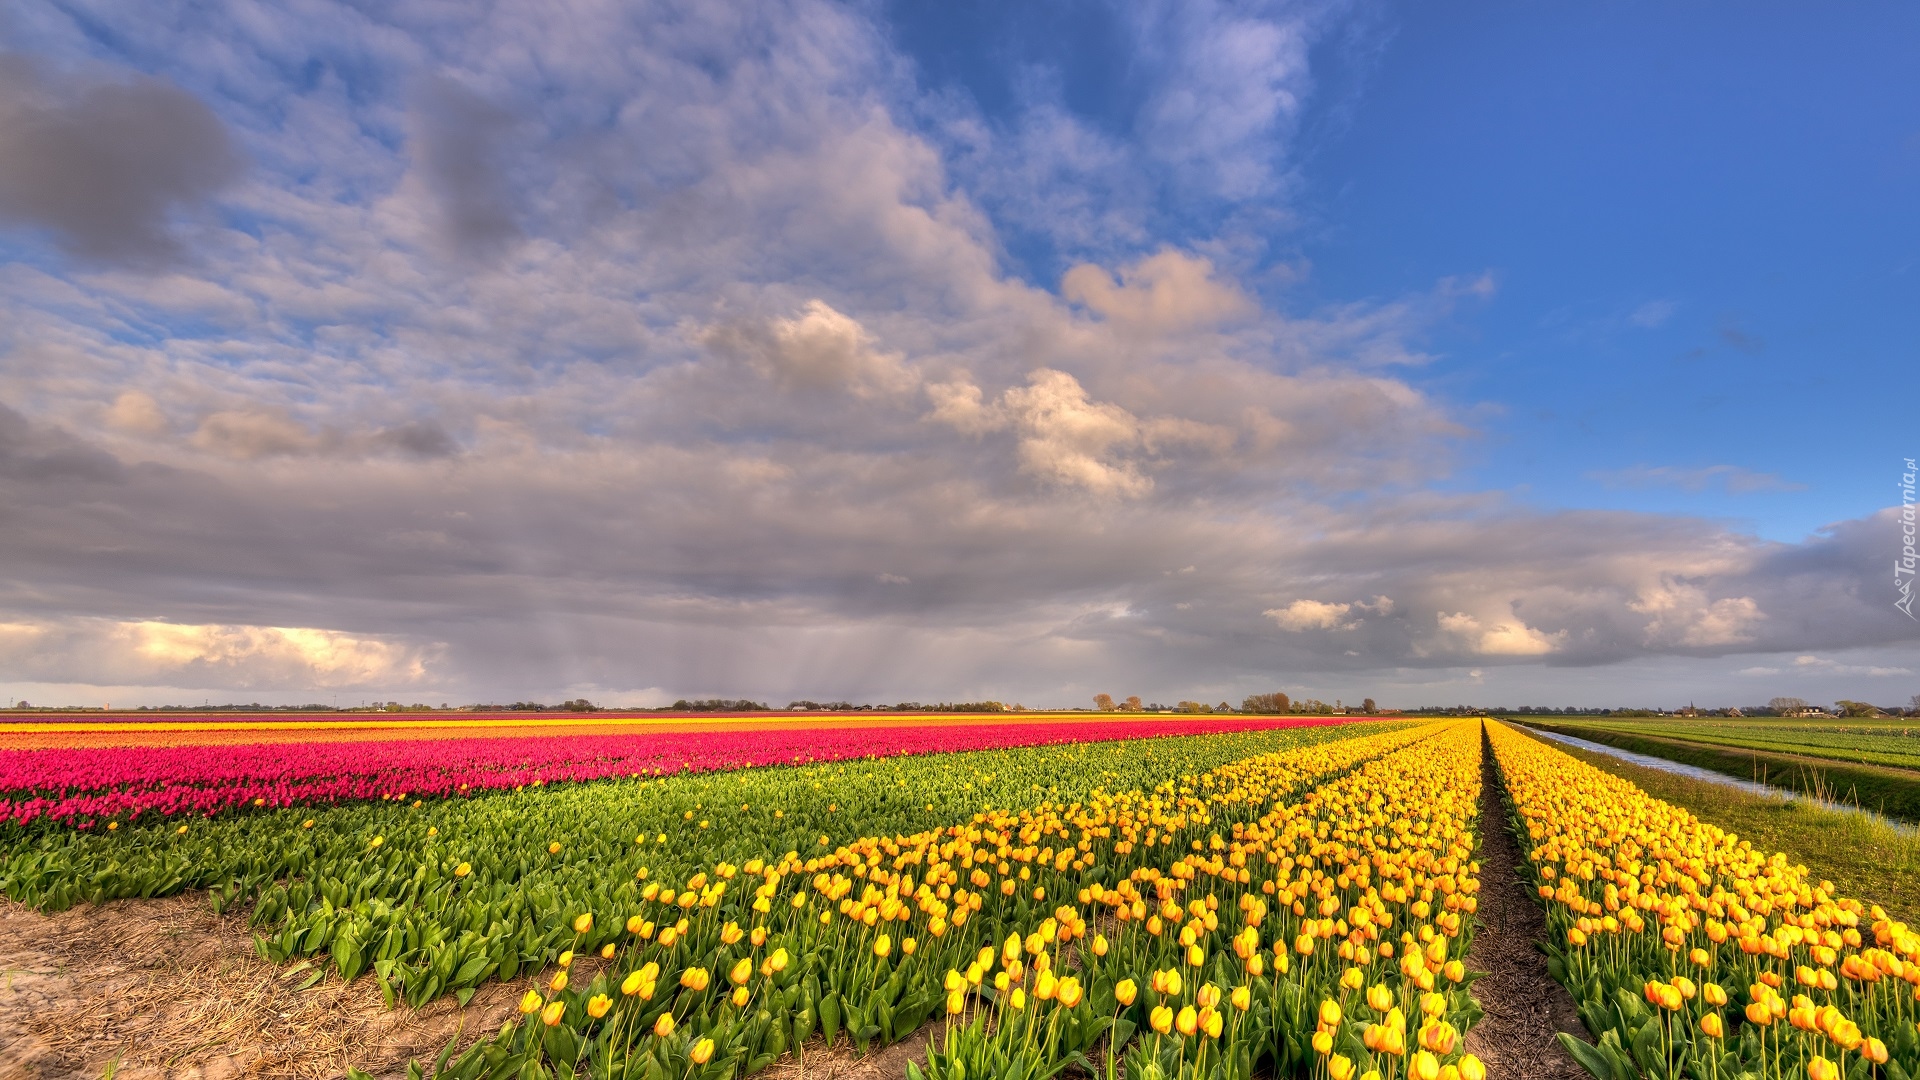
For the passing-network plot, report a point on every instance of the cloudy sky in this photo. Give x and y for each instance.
(1527, 353)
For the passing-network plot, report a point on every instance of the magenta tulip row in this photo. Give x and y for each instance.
(91, 787)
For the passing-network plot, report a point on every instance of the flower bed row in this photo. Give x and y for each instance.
(1693, 954)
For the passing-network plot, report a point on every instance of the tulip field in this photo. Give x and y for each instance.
(104, 787)
(1088, 897)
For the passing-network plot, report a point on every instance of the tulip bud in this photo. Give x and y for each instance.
(1187, 1020)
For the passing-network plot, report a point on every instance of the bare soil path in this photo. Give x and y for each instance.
(156, 989)
(166, 988)
(1525, 1008)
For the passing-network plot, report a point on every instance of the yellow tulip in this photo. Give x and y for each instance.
(1161, 1019)
(1070, 992)
(598, 1004)
(551, 1017)
(702, 1052)
(663, 1027)
(1124, 991)
(532, 1002)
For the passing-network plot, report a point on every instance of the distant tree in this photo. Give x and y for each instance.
(1855, 708)
(1266, 703)
(1103, 702)
(1194, 707)
(718, 705)
(1913, 704)
(1784, 705)
(1132, 703)
(1367, 706)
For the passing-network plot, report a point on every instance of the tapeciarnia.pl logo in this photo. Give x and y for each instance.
(1903, 567)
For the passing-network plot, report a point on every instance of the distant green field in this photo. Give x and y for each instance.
(1892, 742)
(1873, 764)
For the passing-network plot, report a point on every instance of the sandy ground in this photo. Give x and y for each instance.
(166, 988)
(1525, 1008)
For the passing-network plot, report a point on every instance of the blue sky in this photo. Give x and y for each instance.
(1703, 230)
(1505, 353)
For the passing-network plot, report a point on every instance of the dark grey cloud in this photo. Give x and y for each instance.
(104, 167)
(419, 439)
(461, 142)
